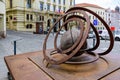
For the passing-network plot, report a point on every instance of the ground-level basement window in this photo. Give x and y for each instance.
(29, 26)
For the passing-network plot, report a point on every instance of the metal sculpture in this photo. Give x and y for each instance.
(59, 55)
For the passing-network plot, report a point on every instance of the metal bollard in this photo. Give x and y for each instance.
(93, 42)
(15, 47)
(15, 41)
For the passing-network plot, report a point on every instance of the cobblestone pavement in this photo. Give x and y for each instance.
(29, 42)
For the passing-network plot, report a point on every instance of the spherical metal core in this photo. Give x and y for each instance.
(69, 38)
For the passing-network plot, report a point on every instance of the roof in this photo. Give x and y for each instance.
(88, 5)
(113, 11)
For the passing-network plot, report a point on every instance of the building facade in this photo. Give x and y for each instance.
(2, 19)
(34, 15)
(97, 9)
(113, 19)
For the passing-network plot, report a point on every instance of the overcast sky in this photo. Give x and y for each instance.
(103, 3)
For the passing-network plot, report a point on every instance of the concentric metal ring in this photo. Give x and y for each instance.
(69, 16)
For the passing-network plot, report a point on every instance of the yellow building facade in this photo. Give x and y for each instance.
(2, 19)
(34, 15)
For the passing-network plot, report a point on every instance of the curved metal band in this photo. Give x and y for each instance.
(82, 37)
(73, 53)
(96, 33)
(104, 23)
(79, 38)
(44, 44)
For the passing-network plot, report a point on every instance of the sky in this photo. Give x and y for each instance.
(103, 3)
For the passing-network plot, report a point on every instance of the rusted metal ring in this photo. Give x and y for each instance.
(61, 61)
(74, 52)
(104, 23)
(76, 43)
(79, 38)
(96, 34)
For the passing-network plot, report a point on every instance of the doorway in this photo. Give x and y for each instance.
(48, 24)
(55, 28)
(39, 28)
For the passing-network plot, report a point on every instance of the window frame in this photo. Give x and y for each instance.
(41, 6)
(29, 4)
(48, 7)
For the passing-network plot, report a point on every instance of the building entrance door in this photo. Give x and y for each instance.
(39, 27)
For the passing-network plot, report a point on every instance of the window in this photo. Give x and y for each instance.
(59, 2)
(31, 17)
(63, 2)
(70, 3)
(10, 17)
(59, 8)
(93, 17)
(28, 3)
(98, 28)
(27, 16)
(89, 17)
(54, 1)
(41, 18)
(98, 13)
(29, 26)
(6, 18)
(48, 7)
(103, 18)
(64, 9)
(41, 6)
(103, 28)
(54, 8)
(10, 3)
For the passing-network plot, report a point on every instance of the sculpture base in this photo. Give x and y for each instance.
(21, 68)
(92, 71)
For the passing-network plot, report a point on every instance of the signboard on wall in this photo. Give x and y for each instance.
(112, 28)
(95, 22)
